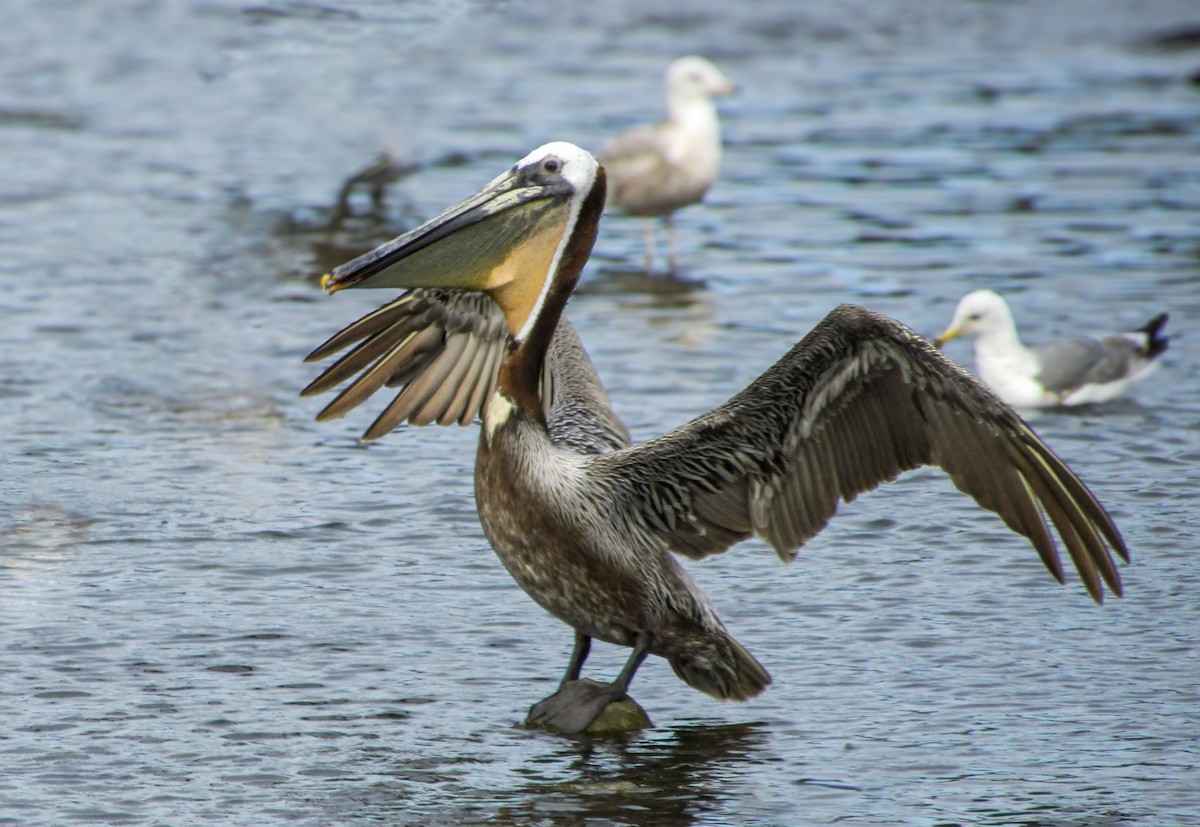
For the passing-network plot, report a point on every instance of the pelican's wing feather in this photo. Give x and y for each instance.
(443, 349)
(859, 400)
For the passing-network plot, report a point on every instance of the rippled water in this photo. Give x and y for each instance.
(213, 609)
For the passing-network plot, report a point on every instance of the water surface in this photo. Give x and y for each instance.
(215, 610)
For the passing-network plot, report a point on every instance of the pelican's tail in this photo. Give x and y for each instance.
(721, 667)
(1156, 343)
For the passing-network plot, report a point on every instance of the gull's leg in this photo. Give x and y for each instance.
(672, 244)
(648, 232)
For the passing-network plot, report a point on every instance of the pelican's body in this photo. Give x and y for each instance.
(1067, 372)
(588, 524)
(655, 170)
(597, 574)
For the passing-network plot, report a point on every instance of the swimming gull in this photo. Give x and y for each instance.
(1066, 372)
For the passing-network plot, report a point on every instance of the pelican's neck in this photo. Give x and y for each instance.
(521, 370)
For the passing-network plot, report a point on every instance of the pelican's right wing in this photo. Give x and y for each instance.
(443, 349)
(859, 400)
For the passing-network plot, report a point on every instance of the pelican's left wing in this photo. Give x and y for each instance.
(859, 400)
(442, 349)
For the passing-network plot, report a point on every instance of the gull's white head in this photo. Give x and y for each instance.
(695, 76)
(980, 315)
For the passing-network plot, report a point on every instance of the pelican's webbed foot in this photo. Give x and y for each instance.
(588, 706)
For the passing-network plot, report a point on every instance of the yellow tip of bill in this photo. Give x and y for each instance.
(945, 337)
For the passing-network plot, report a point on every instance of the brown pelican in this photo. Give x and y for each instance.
(655, 170)
(1067, 372)
(588, 524)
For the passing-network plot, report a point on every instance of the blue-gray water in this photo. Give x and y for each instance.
(214, 610)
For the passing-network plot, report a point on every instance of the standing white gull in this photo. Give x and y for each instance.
(1066, 372)
(655, 170)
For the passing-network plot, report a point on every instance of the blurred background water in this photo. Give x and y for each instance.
(214, 610)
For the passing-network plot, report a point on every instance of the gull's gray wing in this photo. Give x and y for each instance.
(1071, 364)
(641, 179)
(859, 400)
(640, 144)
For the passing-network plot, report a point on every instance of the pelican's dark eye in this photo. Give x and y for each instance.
(974, 317)
(551, 165)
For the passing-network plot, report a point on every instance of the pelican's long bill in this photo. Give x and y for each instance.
(515, 225)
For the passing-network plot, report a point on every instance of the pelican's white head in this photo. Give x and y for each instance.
(573, 164)
(506, 240)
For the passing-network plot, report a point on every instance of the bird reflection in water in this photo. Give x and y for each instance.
(649, 782)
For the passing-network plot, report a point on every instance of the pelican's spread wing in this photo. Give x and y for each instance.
(443, 349)
(859, 400)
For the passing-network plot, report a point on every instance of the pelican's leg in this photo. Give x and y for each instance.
(641, 650)
(672, 244)
(578, 703)
(583, 645)
(648, 232)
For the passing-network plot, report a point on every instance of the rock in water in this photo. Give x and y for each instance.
(576, 702)
(620, 718)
